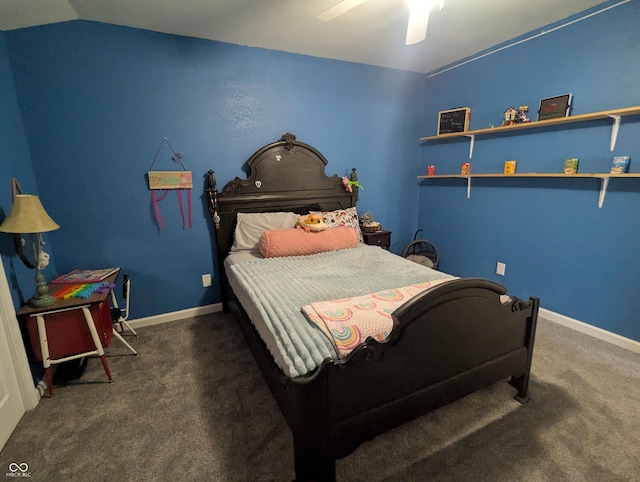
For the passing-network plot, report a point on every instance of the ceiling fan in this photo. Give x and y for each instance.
(418, 16)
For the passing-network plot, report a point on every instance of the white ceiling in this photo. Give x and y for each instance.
(372, 33)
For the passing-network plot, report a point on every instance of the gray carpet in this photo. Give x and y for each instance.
(193, 406)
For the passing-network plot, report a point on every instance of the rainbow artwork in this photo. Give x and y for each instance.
(346, 337)
(339, 314)
(388, 295)
(367, 305)
(84, 290)
(348, 322)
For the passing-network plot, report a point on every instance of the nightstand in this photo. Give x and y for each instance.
(70, 328)
(380, 238)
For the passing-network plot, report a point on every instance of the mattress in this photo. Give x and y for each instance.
(273, 290)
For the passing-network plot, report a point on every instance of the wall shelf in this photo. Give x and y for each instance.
(604, 179)
(615, 114)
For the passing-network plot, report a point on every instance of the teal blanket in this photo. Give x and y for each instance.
(279, 287)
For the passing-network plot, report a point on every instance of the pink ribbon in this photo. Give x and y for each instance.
(182, 207)
(156, 206)
(155, 200)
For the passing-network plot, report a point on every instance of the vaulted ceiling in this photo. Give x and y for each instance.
(371, 33)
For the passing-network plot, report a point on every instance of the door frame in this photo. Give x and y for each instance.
(28, 392)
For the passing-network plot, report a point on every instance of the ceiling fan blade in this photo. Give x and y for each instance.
(339, 9)
(418, 21)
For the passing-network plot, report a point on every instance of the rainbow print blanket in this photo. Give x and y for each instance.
(348, 322)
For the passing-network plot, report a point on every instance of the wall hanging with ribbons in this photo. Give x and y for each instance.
(168, 181)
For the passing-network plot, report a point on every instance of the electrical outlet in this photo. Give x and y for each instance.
(206, 280)
(500, 267)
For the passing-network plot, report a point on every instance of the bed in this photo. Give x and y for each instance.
(446, 342)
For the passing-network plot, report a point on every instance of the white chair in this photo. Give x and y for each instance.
(119, 316)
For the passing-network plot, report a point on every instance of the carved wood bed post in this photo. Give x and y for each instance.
(288, 139)
(522, 383)
(212, 190)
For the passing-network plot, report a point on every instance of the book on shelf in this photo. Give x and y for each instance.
(509, 167)
(620, 165)
(85, 275)
(571, 166)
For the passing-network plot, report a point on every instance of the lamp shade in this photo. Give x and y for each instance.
(28, 216)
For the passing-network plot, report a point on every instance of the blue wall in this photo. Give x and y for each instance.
(15, 162)
(98, 99)
(582, 261)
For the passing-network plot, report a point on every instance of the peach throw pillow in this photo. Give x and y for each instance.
(276, 243)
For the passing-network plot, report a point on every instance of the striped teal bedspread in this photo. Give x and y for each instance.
(279, 287)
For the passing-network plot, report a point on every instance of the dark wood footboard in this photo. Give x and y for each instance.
(448, 342)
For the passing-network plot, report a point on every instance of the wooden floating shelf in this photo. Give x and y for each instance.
(603, 176)
(597, 175)
(615, 114)
(543, 123)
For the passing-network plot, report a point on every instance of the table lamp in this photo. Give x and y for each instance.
(28, 216)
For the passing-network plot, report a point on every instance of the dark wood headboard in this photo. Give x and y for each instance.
(286, 175)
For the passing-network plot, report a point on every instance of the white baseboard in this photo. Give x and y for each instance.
(621, 341)
(548, 315)
(175, 315)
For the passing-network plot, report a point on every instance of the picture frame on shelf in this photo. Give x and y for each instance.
(555, 107)
(454, 120)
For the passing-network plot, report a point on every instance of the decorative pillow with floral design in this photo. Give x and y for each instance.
(342, 217)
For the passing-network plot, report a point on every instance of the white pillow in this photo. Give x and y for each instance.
(251, 225)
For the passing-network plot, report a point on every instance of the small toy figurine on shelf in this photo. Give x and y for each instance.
(522, 114)
(513, 116)
(510, 117)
